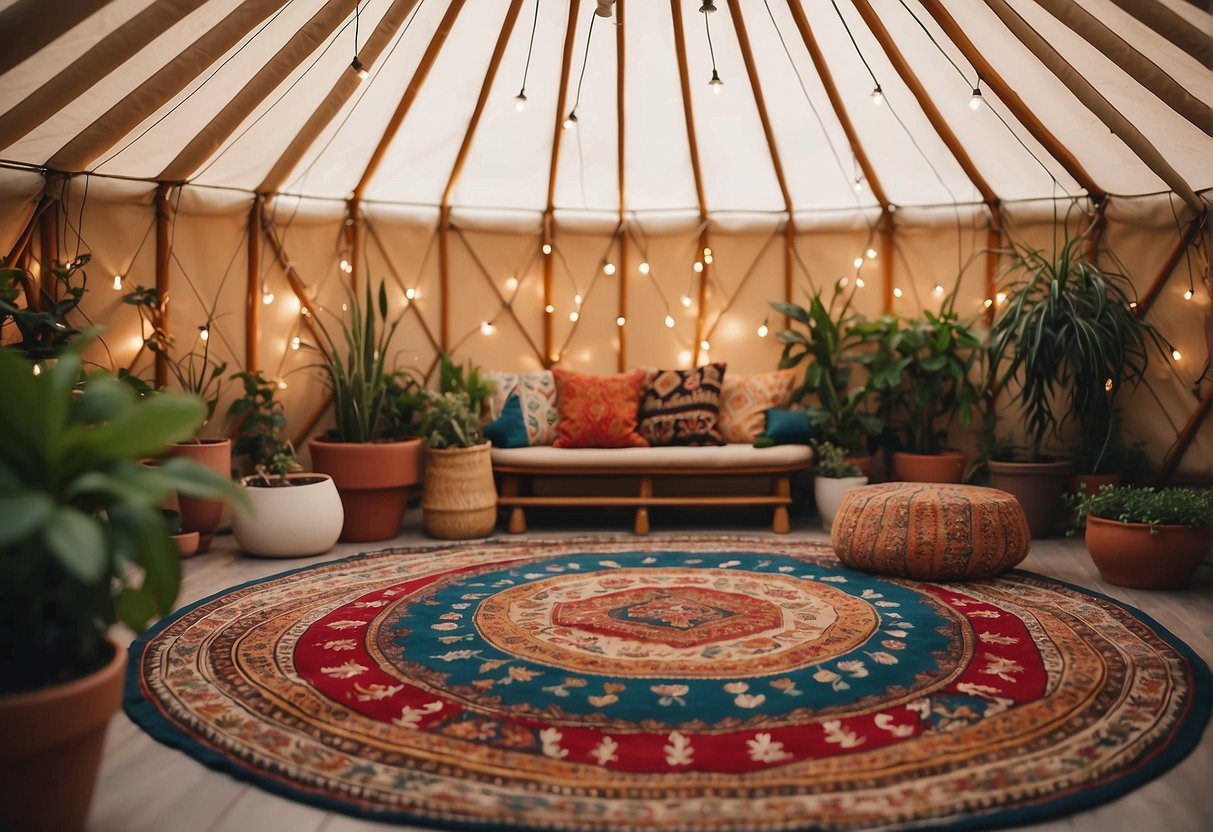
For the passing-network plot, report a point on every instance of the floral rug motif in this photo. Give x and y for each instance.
(714, 683)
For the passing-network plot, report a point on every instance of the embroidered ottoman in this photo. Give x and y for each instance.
(930, 531)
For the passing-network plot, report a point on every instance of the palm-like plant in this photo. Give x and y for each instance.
(1066, 342)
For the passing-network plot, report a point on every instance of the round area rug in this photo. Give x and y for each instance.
(702, 682)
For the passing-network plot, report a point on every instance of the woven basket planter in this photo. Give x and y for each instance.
(459, 500)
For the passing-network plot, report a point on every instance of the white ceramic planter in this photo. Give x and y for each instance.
(292, 521)
(828, 493)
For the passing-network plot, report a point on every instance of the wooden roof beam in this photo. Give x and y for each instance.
(622, 353)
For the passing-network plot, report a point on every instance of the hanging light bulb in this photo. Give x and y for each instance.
(359, 69)
(608, 268)
(1175, 354)
(571, 120)
(204, 333)
(685, 300)
(410, 293)
(896, 292)
(345, 266)
(296, 343)
(549, 309)
(1000, 298)
(871, 253)
(857, 262)
(877, 96)
(573, 316)
(987, 303)
(716, 84)
(547, 248)
(938, 290)
(1107, 385)
(267, 298)
(707, 252)
(1187, 294)
(669, 321)
(698, 267)
(486, 328)
(577, 299)
(620, 321)
(976, 100)
(511, 283)
(708, 6)
(763, 329)
(643, 267)
(37, 369)
(859, 283)
(281, 384)
(520, 101)
(843, 281)
(858, 184)
(705, 345)
(118, 283)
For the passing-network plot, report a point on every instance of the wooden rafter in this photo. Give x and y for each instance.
(1010, 98)
(1186, 437)
(253, 304)
(19, 250)
(621, 233)
(352, 231)
(444, 212)
(1094, 101)
(127, 114)
(391, 265)
(566, 64)
(410, 95)
(688, 113)
(506, 305)
(341, 92)
(164, 220)
(1185, 241)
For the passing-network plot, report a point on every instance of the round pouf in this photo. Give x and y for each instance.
(930, 532)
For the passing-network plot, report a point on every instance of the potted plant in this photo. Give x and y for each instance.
(833, 345)
(42, 324)
(922, 372)
(1064, 343)
(371, 453)
(291, 513)
(83, 545)
(459, 499)
(835, 477)
(1143, 537)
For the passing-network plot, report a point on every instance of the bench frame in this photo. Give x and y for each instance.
(516, 479)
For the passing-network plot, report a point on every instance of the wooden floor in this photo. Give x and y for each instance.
(147, 787)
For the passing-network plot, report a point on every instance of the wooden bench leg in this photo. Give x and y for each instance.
(781, 524)
(641, 526)
(509, 488)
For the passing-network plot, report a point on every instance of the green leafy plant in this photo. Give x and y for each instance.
(448, 421)
(370, 399)
(464, 379)
(261, 421)
(922, 370)
(83, 543)
(830, 461)
(1066, 341)
(1191, 507)
(43, 324)
(833, 346)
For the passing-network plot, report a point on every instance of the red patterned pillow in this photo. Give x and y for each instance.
(598, 411)
(680, 407)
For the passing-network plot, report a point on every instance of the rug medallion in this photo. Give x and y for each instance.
(702, 682)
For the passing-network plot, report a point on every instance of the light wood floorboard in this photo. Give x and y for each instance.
(147, 787)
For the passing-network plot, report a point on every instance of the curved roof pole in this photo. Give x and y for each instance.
(747, 55)
(252, 307)
(680, 47)
(309, 37)
(341, 92)
(1094, 101)
(39, 23)
(119, 120)
(994, 232)
(77, 77)
(1172, 26)
(622, 272)
(550, 357)
(164, 251)
(1143, 70)
(444, 211)
(861, 156)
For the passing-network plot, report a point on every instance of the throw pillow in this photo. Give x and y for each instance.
(681, 407)
(744, 400)
(537, 398)
(598, 411)
(508, 430)
(787, 427)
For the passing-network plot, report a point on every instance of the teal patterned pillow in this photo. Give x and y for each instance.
(536, 394)
(508, 429)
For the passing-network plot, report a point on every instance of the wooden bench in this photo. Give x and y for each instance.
(518, 468)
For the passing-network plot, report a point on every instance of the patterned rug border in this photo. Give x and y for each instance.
(144, 713)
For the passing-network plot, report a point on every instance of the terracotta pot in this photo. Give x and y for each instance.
(459, 501)
(1038, 487)
(187, 544)
(1090, 483)
(1134, 555)
(50, 749)
(945, 466)
(372, 479)
(289, 521)
(828, 492)
(865, 464)
(198, 515)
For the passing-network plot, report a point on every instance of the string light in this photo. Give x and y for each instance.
(571, 120)
(643, 267)
(511, 283)
(1187, 294)
(486, 328)
(715, 83)
(549, 309)
(859, 283)
(877, 96)
(871, 253)
(976, 100)
(706, 9)
(620, 321)
(359, 69)
(896, 292)
(707, 252)
(698, 267)
(118, 283)
(204, 333)
(1132, 304)
(763, 329)
(577, 299)
(410, 293)
(1175, 354)
(547, 248)
(296, 343)
(843, 281)
(857, 262)
(705, 345)
(346, 267)
(707, 259)
(303, 311)
(987, 303)
(669, 321)
(356, 65)
(938, 290)
(1000, 298)
(573, 316)
(281, 384)
(1107, 385)
(608, 268)
(858, 185)
(685, 300)
(267, 298)
(37, 369)
(520, 101)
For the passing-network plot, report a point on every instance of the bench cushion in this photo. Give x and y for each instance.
(722, 457)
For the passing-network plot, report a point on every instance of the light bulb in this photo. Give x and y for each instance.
(620, 321)
(859, 283)
(857, 262)
(685, 300)
(520, 101)
(669, 321)
(707, 259)
(577, 299)
(118, 283)
(763, 329)
(608, 269)
(267, 298)
(698, 267)
(716, 84)
(549, 309)
(843, 281)
(346, 267)
(547, 248)
(571, 120)
(1107, 385)
(896, 292)
(1132, 304)
(976, 101)
(204, 334)
(707, 252)
(938, 289)
(871, 253)
(511, 283)
(705, 345)
(37, 369)
(486, 328)
(295, 342)
(987, 303)
(1175, 354)
(1187, 294)
(359, 69)
(573, 316)
(303, 311)
(877, 96)
(1000, 298)
(643, 267)
(281, 384)
(858, 185)
(410, 293)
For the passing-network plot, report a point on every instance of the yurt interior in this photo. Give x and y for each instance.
(605, 415)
